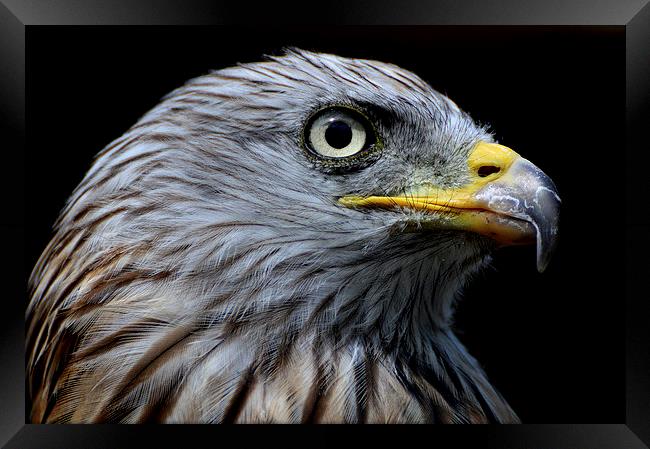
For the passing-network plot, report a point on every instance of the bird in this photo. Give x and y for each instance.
(282, 241)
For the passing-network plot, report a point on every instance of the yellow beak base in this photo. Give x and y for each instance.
(507, 199)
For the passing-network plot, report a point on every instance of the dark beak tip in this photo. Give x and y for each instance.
(547, 240)
(542, 263)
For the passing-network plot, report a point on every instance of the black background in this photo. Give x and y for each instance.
(552, 343)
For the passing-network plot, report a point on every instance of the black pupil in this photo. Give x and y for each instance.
(338, 134)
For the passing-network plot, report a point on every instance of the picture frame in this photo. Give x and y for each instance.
(634, 17)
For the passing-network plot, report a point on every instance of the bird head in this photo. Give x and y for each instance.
(346, 191)
(371, 188)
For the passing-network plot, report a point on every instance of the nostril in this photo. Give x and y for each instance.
(487, 170)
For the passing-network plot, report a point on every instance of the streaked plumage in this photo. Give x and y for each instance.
(203, 271)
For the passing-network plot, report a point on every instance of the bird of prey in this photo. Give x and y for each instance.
(281, 242)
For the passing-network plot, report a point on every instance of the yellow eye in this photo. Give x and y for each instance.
(338, 133)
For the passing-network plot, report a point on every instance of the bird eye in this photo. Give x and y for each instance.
(338, 133)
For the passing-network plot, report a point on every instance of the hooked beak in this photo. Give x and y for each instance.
(508, 199)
